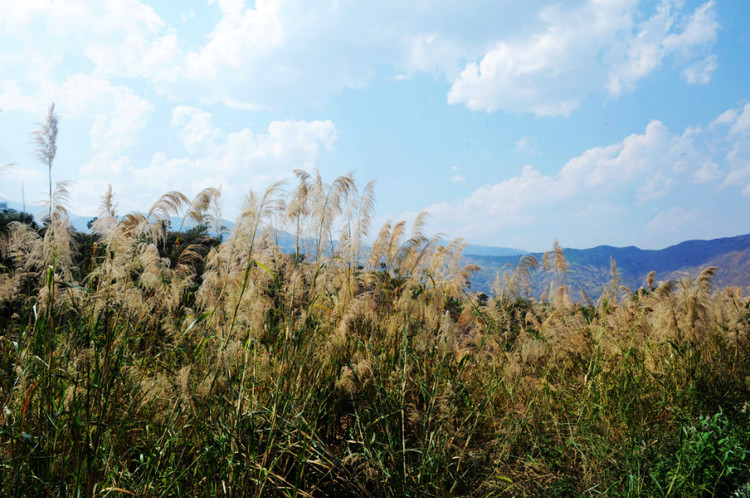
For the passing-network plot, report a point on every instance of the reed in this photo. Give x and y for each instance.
(233, 367)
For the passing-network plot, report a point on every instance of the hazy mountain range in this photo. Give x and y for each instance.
(589, 269)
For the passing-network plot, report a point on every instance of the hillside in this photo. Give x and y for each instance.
(590, 268)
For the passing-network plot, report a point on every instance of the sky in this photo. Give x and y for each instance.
(619, 122)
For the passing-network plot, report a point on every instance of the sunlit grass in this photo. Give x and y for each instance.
(132, 363)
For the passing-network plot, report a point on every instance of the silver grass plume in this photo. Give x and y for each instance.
(378, 251)
(360, 214)
(107, 216)
(516, 283)
(45, 138)
(157, 220)
(57, 240)
(204, 203)
(298, 207)
(328, 202)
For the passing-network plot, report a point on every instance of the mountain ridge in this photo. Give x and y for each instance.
(590, 269)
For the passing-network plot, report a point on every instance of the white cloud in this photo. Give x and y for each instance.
(708, 172)
(673, 220)
(118, 114)
(113, 35)
(736, 124)
(741, 124)
(434, 53)
(700, 72)
(241, 35)
(699, 30)
(663, 35)
(237, 161)
(128, 39)
(611, 187)
(524, 145)
(195, 129)
(16, 179)
(455, 177)
(281, 53)
(726, 117)
(581, 51)
(68, 53)
(12, 97)
(654, 187)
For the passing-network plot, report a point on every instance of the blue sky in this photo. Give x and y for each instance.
(513, 123)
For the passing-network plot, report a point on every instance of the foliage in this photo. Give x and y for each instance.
(712, 458)
(7, 216)
(140, 360)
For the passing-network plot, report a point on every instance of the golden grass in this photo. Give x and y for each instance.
(231, 367)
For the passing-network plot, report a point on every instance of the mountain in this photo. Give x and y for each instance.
(590, 269)
(80, 223)
(38, 211)
(478, 250)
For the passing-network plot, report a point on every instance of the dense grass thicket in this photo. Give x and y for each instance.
(142, 361)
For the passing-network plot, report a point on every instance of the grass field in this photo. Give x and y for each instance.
(143, 361)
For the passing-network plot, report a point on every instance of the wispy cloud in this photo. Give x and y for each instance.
(700, 72)
(524, 145)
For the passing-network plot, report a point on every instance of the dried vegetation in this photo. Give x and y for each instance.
(342, 368)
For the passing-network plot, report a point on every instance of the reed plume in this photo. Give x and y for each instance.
(190, 365)
(45, 139)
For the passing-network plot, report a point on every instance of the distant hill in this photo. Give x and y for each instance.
(80, 223)
(590, 268)
(478, 250)
(38, 211)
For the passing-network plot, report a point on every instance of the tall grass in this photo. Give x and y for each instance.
(207, 367)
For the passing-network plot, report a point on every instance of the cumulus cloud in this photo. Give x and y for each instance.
(583, 50)
(122, 37)
(608, 188)
(237, 161)
(257, 54)
(118, 115)
(106, 61)
(434, 53)
(196, 130)
(740, 122)
(69, 53)
(736, 124)
(665, 34)
(240, 35)
(282, 53)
